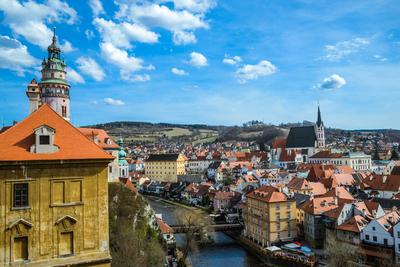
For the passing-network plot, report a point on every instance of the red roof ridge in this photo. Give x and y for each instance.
(33, 121)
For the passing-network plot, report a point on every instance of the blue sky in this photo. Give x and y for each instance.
(210, 61)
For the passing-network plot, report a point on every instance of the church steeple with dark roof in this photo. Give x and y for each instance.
(319, 119)
(320, 130)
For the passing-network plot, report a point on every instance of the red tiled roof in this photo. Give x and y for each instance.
(382, 182)
(15, 142)
(354, 224)
(298, 184)
(224, 195)
(318, 171)
(317, 206)
(288, 156)
(99, 137)
(339, 192)
(326, 154)
(279, 142)
(164, 227)
(267, 194)
(344, 179)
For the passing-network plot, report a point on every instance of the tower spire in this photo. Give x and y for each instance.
(53, 85)
(319, 119)
(54, 36)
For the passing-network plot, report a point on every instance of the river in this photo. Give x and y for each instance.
(224, 252)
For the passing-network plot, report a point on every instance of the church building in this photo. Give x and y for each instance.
(301, 143)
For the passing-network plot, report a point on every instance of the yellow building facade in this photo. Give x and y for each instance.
(165, 167)
(269, 216)
(53, 195)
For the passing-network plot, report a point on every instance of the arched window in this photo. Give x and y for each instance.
(64, 111)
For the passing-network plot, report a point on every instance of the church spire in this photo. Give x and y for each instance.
(319, 120)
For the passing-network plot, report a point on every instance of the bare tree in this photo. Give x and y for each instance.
(196, 229)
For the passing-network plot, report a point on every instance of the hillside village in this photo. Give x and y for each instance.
(299, 188)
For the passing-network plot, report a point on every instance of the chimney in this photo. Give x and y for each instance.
(384, 179)
(335, 199)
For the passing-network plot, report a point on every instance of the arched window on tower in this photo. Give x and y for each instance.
(64, 111)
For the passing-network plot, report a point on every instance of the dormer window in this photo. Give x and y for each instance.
(44, 140)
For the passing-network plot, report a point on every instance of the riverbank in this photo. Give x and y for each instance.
(261, 254)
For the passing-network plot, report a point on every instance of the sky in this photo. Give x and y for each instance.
(218, 62)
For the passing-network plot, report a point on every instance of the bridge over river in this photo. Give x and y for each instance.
(179, 229)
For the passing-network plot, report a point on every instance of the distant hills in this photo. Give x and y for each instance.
(144, 132)
(138, 132)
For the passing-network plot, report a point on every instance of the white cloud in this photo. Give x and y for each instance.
(28, 19)
(90, 67)
(154, 15)
(89, 34)
(253, 72)
(120, 58)
(197, 60)
(113, 102)
(74, 76)
(332, 82)
(121, 35)
(67, 47)
(179, 72)
(183, 38)
(15, 56)
(97, 7)
(380, 58)
(231, 60)
(342, 49)
(140, 78)
(197, 6)
(180, 17)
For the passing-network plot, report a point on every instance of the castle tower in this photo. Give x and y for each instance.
(123, 164)
(33, 93)
(54, 87)
(320, 130)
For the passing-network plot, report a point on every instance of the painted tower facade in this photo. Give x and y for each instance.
(320, 130)
(123, 164)
(53, 88)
